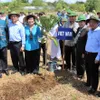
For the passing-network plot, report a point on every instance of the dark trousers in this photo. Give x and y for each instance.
(17, 56)
(32, 59)
(69, 56)
(3, 59)
(92, 70)
(43, 47)
(79, 63)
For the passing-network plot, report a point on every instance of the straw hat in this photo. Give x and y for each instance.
(13, 13)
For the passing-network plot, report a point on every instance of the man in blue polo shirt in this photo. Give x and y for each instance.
(92, 53)
(16, 42)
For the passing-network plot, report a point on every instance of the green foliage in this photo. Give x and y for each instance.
(1, 5)
(37, 3)
(48, 22)
(4, 6)
(78, 7)
(24, 1)
(60, 5)
(92, 5)
(17, 5)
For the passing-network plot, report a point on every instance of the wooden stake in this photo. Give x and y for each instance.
(63, 56)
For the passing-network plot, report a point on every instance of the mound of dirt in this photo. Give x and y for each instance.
(15, 89)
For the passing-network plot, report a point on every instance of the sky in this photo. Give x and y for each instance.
(68, 1)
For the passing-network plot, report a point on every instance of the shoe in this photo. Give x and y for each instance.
(13, 72)
(37, 73)
(80, 76)
(43, 66)
(6, 72)
(66, 68)
(87, 84)
(98, 94)
(0, 75)
(28, 72)
(74, 72)
(22, 73)
(92, 91)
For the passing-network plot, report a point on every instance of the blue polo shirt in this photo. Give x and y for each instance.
(16, 32)
(93, 41)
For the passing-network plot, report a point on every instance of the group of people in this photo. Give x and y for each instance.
(21, 34)
(83, 51)
(18, 38)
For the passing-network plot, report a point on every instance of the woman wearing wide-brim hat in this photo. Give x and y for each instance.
(32, 46)
(25, 18)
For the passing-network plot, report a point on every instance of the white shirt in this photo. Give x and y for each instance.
(21, 18)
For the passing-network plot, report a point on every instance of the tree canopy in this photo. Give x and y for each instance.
(90, 5)
(37, 3)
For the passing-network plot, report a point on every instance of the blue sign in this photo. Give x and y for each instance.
(65, 33)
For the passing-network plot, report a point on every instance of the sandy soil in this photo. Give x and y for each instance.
(62, 85)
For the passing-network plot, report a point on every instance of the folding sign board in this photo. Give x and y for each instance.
(64, 33)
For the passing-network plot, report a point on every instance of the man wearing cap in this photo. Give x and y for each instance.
(69, 47)
(92, 49)
(16, 42)
(80, 41)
